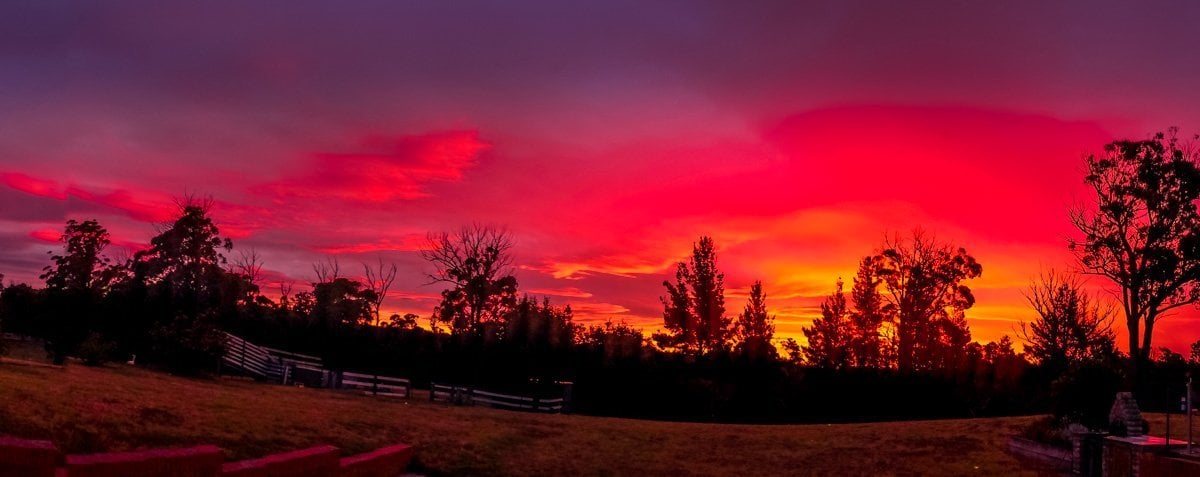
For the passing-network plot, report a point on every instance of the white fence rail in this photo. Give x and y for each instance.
(377, 385)
(286, 367)
(248, 358)
(468, 396)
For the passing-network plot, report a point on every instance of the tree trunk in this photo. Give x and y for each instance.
(1149, 332)
(905, 351)
(1131, 323)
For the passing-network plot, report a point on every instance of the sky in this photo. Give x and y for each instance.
(606, 137)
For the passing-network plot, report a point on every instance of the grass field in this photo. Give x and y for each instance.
(122, 407)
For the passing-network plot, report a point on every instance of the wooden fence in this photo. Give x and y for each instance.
(469, 396)
(250, 359)
(274, 365)
(377, 385)
(286, 367)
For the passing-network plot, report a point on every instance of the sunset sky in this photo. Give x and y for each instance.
(605, 136)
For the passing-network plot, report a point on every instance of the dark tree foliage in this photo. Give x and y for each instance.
(829, 336)
(924, 287)
(75, 284)
(20, 305)
(532, 326)
(755, 328)
(614, 342)
(867, 344)
(82, 266)
(1071, 327)
(183, 278)
(341, 301)
(476, 262)
(694, 308)
(1143, 231)
(794, 353)
(407, 321)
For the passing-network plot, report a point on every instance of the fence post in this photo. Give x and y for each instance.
(375, 385)
(432, 390)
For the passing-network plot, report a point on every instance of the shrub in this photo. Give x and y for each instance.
(95, 350)
(1047, 430)
(188, 345)
(1084, 394)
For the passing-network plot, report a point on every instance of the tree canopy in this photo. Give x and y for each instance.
(1143, 232)
(694, 308)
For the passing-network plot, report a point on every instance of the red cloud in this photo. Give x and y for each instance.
(158, 208)
(46, 235)
(407, 243)
(32, 185)
(569, 292)
(236, 221)
(399, 171)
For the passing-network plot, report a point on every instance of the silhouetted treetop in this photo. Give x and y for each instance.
(1143, 232)
(694, 308)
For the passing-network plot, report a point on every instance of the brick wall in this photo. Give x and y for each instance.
(31, 458)
(26, 458)
(314, 462)
(200, 461)
(390, 461)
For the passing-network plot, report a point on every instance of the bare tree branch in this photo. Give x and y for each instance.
(378, 281)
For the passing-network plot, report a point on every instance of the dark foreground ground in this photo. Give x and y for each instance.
(121, 407)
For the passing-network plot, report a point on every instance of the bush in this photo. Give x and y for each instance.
(95, 350)
(1047, 430)
(188, 345)
(1085, 394)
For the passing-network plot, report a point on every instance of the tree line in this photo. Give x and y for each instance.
(897, 344)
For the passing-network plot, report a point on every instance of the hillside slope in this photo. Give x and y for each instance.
(120, 407)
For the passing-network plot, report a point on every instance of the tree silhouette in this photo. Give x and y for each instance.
(1144, 232)
(184, 278)
(327, 271)
(248, 265)
(82, 266)
(754, 328)
(378, 280)
(867, 345)
(408, 321)
(75, 285)
(1071, 326)
(694, 308)
(829, 336)
(476, 262)
(923, 279)
(342, 302)
(534, 326)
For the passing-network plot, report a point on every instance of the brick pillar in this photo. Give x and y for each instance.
(27, 458)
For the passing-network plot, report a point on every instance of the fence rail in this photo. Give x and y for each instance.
(248, 357)
(286, 367)
(377, 385)
(468, 396)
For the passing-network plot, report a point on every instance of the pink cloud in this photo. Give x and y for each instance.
(46, 235)
(567, 292)
(32, 185)
(406, 243)
(388, 170)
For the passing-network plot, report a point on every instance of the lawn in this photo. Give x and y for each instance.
(122, 407)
